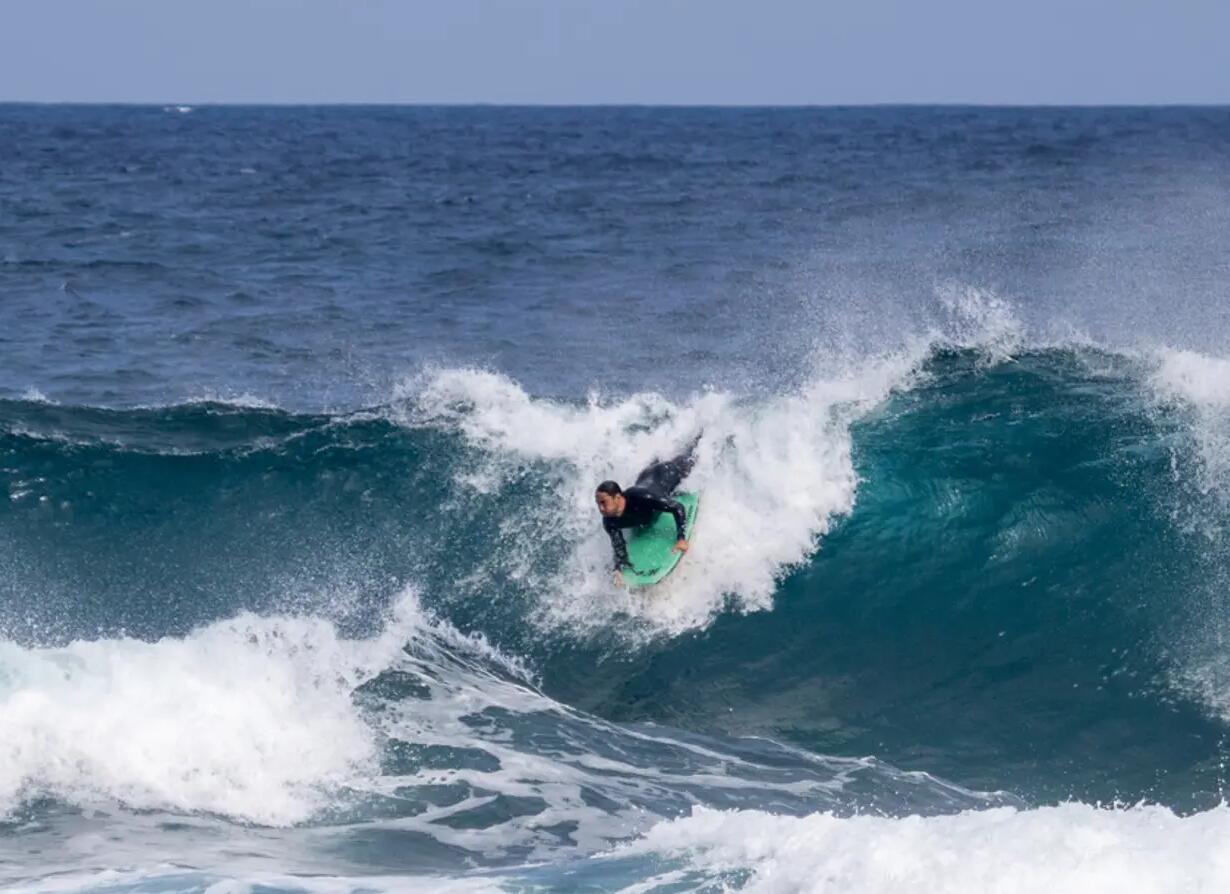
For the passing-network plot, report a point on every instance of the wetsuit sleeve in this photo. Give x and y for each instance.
(618, 545)
(675, 508)
(681, 519)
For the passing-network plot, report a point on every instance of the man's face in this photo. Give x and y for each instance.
(608, 504)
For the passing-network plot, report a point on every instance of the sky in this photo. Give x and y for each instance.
(721, 52)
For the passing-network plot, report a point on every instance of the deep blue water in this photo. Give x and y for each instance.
(301, 586)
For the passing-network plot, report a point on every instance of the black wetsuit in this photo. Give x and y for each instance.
(650, 495)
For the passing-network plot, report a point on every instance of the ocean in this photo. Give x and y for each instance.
(302, 587)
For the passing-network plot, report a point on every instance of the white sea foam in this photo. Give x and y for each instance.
(602, 781)
(1194, 377)
(171, 879)
(1072, 847)
(1202, 384)
(1066, 849)
(243, 400)
(773, 473)
(770, 477)
(256, 719)
(249, 717)
(980, 319)
(1069, 849)
(34, 396)
(1199, 385)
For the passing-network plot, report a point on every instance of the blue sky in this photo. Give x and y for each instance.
(636, 51)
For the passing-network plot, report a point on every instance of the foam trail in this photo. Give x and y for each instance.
(533, 749)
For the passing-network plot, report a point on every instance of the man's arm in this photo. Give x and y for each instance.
(618, 545)
(675, 508)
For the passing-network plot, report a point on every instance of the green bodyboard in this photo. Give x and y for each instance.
(649, 548)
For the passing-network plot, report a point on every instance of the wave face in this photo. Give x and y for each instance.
(302, 586)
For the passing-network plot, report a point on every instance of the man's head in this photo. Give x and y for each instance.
(610, 499)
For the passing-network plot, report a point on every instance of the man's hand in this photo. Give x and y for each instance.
(619, 578)
(681, 546)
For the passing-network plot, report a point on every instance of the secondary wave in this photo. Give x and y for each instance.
(429, 746)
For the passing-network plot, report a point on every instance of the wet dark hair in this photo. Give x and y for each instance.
(608, 487)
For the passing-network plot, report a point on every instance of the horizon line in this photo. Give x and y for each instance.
(613, 105)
